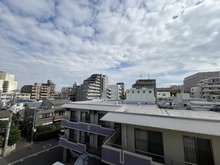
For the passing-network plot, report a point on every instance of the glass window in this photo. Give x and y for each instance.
(85, 117)
(84, 137)
(149, 91)
(72, 135)
(151, 142)
(74, 116)
(198, 150)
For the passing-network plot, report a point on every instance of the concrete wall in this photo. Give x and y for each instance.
(173, 142)
(9, 149)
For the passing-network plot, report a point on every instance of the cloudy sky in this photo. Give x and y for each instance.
(67, 41)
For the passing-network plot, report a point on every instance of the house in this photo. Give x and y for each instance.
(59, 112)
(128, 133)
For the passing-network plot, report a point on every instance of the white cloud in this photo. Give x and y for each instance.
(67, 41)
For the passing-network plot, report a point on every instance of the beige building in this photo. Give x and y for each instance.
(40, 90)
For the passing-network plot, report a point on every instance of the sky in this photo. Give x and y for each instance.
(67, 41)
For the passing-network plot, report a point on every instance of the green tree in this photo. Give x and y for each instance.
(14, 136)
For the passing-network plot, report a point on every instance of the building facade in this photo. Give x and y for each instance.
(193, 80)
(40, 90)
(128, 134)
(7, 82)
(69, 92)
(92, 87)
(207, 88)
(113, 92)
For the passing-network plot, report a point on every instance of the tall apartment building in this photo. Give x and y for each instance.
(40, 90)
(145, 83)
(92, 87)
(7, 83)
(193, 80)
(69, 92)
(208, 88)
(123, 91)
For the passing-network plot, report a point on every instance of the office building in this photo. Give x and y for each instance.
(193, 80)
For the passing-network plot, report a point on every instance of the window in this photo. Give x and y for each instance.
(61, 113)
(46, 115)
(85, 117)
(149, 141)
(74, 116)
(72, 135)
(103, 123)
(164, 94)
(132, 91)
(197, 150)
(84, 137)
(138, 91)
(149, 91)
(143, 91)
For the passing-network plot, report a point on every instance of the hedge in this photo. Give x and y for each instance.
(39, 136)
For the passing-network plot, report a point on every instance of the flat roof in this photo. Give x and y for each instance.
(195, 121)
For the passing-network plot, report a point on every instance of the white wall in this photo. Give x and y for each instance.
(142, 95)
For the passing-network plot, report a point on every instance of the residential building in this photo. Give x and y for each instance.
(7, 82)
(4, 115)
(113, 92)
(207, 88)
(40, 90)
(129, 133)
(92, 87)
(141, 95)
(123, 91)
(59, 112)
(69, 92)
(145, 83)
(193, 80)
(162, 95)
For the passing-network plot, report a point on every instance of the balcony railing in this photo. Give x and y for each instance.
(64, 142)
(121, 153)
(88, 127)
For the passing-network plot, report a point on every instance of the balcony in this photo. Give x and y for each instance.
(81, 148)
(113, 153)
(88, 127)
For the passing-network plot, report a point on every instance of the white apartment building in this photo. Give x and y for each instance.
(162, 95)
(193, 80)
(7, 83)
(113, 92)
(207, 88)
(145, 95)
(92, 87)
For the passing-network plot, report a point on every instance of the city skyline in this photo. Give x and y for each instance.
(68, 41)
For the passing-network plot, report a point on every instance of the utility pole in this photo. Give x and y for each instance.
(9, 127)
(33, 127)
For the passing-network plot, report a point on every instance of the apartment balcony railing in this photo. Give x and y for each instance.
(88, 127)
(79, 147)
(117, 154)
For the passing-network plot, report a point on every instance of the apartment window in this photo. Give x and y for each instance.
(149, 91)
(138, 91)
(84, 137)
(143, 91)
(61, 113)
(132, 91)
(72, 135)
(149, 141)
(74, 116)
(46, 115)
(85, 117)
(197, 150)
(164, 94)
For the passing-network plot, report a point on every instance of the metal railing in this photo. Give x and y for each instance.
(167, 160)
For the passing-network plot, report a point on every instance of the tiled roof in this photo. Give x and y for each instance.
(4, 113)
